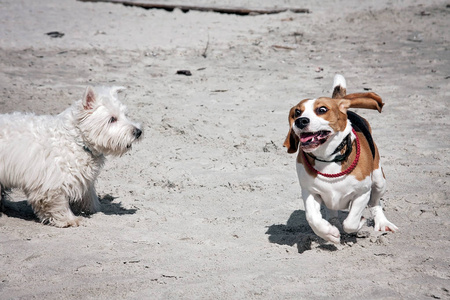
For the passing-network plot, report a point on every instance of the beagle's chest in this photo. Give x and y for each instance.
(336, 193)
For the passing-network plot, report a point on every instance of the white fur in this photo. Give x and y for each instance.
(339, 80)
(55, 160)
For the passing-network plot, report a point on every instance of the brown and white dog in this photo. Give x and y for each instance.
(338, 164)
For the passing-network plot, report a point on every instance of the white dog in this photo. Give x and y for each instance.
(55, 160)
(338, 163)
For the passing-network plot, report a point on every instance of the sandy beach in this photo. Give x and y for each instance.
(208, 205)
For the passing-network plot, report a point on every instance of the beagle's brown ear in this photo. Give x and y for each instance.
(291, 142)
(365, 100)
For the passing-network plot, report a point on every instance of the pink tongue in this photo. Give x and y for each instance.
(306, 138)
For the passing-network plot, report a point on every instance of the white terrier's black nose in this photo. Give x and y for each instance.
(137, 132)
(302, 122)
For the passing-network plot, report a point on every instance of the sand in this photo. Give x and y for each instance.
(208, 205)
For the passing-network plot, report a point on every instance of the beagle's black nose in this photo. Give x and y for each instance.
(302, 122)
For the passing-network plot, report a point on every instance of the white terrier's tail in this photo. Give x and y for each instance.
(339, 86)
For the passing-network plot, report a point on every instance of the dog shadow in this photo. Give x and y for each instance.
(109, 207)
(22, 210)
(18, 209)
(298, 232)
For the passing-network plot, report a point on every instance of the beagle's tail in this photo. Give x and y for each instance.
(339, 87)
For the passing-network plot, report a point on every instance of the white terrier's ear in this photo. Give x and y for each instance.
(116, 89)
(89, 98)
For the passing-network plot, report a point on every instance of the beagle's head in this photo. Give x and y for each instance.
(313, 122)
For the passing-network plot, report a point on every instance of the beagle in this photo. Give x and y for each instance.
(338, 164)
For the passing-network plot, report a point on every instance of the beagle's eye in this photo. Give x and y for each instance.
(113, 120)
(297, 113)
(321, 110)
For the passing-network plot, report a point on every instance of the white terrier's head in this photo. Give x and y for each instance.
(103, 123)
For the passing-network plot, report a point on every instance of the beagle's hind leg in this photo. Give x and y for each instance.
(378, 189)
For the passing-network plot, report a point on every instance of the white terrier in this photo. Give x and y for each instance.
(55, 160)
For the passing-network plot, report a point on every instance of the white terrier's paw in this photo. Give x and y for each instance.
(63, 223)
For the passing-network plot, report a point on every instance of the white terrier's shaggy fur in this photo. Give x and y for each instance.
(55, 160)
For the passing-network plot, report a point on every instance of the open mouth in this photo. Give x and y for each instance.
(312, 140)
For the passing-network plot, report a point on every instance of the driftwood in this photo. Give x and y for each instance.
(219, 9)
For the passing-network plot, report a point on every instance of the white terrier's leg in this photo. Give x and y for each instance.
(378, 189)
(319, 225)
(355, 220)
(54, 209)
(90, 203)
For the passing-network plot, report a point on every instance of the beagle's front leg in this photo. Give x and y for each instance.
(319, 225)
(355, 220)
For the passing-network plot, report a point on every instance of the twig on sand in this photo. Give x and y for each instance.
(284, 47)
(206, 48)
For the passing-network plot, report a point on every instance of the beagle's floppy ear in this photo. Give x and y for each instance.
(292, 140)
(364, 100)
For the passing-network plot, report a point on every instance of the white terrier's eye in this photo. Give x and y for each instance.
(113, 120)
(321, 110)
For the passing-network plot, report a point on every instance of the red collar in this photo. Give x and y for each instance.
(345, 172)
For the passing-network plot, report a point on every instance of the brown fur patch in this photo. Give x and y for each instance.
(336, 118)
(339, 92)
(365, 100)
(366, 163)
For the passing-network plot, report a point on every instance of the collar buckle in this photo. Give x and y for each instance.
(341, 157)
